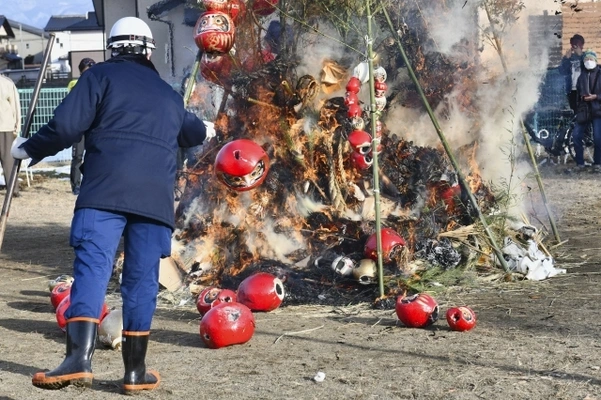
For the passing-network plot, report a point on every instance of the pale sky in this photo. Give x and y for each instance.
(37, 12)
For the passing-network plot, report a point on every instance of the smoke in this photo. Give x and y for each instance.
(448, 29)
(503, 88)
(318, 47)
(506, 87)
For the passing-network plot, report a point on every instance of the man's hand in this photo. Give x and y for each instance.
(590, 97)
(16, 151)
(210, 129)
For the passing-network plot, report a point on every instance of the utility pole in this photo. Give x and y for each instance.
(21, 48)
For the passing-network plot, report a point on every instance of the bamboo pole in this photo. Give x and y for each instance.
(191, 83)
(375, 142)
(539, 180)
(446, 146)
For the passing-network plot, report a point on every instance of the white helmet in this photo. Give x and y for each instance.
(131, 33)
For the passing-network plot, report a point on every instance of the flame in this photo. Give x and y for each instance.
(474, 179)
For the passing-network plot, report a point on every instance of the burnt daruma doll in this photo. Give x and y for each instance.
(241, 165)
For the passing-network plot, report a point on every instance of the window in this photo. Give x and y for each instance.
(27, 45)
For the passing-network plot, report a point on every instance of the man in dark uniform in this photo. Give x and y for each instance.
(571, 66)
(133, 123)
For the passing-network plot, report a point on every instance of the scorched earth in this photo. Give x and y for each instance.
(533, 340)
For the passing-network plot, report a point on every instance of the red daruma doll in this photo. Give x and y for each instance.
(214, 32)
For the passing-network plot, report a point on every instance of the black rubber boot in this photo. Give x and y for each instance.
(76, 369)
(137, 378)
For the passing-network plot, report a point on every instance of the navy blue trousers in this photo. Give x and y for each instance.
(578, 136)
(95, 237)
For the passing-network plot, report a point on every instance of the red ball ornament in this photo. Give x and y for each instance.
(234, 8)
(59, 292)
(215, 5)
(354, 111)
(360, 141)
(225, 296)
(379, 129)
(351, 98)
(227, 324)
(390, 241)
(264, 7)
(450, 194)
(361, 161)
(211, 296)
(353, 85)
(60, 313)
(417, 311)
(215, 67)
(205, 298)
(261, 291)
(214, 32)
(64, 305)
(104, 312)
(241, 165)
(380, 88)
(461, 318)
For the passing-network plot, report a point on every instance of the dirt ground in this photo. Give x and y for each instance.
(534, 340)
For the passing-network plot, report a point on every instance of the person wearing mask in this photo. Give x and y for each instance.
(133, 123)
(588, 110)
(570, 67)
(10, 125)
(78, 148)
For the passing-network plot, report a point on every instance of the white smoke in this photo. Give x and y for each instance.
(503, 96)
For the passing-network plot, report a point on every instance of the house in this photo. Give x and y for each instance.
(171, 23)
(77, 37)
(30, 42)
(9, 57)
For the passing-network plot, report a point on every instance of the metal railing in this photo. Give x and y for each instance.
(48, 100)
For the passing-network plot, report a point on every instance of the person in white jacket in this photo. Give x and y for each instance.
(10, 125)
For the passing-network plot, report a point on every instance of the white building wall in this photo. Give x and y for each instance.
(68, 41)
(86, 41)
(61, 46)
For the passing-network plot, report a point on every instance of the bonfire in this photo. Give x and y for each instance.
(314, 210)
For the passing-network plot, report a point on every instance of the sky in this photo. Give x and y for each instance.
(37, 12)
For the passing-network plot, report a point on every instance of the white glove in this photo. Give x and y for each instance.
(16, 151)
(210, 129)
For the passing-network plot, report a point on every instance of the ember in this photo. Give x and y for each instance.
(316, 201)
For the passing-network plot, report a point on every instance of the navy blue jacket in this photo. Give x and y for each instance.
(133, 122)
(567, 67)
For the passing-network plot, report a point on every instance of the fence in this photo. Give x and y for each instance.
(48, 100)
(551, 114)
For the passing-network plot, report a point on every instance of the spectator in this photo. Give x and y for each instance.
(10, 125)
(570, 68)
(78, 148)
(589, 97)
(133, 123)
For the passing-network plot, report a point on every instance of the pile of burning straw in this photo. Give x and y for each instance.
(313, 214)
